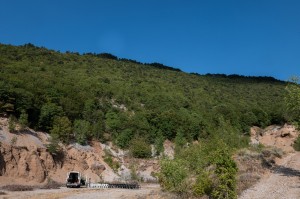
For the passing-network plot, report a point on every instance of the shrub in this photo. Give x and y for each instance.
(226, 170)
(62, 127)
(110, 161)
(246, 180)
(203, 184)
(53, 147)
(17, 188)
(134, 175)
(159, 144)
(81, 130)
(23, 119)
(11, 124)
(51, 184)
(123, 139)
(139, 148)
(48, 113)
(55, 150)
(107, 56)
(201, 169)
(277, 152)
(296, 144)
(14, 140)
(173, 176)
(246, 154)
(179, 140)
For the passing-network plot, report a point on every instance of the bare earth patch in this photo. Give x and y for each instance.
(283, 181)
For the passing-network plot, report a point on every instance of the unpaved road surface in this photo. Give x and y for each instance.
(146, 192)
(282, 183)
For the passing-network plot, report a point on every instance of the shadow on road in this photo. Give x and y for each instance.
(286, 171)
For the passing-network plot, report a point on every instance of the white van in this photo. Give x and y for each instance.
(74, 179)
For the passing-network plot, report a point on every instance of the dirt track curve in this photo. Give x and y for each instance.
(282, 183)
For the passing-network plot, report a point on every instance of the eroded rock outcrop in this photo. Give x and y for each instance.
(25, 158)
(282, 137)
(36, 164)
(25, 163)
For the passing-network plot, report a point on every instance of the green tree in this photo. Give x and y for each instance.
(12, 123)
(62, 128)
(248, 119)
(113, 121)
(203, 184)
(292, 100)
(124, 138)
(173, 176)
(53, 146)
(180, 140)
(98, 129)
(6, 108)
(23, 119)
(167, 123)
(82, 130)
(139, 123)
(159, 143)
(48, 112)
(262, 116)
(89, 112)
(139, 148)
(226, 170)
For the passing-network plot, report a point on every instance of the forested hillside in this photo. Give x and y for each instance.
(98, 96)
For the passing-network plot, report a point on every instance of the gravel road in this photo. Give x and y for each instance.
(282, 183)
(150, 191)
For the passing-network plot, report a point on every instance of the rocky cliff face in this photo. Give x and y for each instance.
(24, 156)
(33, 165)
(282, 137)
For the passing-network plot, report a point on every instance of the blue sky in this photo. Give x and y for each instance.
(246, 37)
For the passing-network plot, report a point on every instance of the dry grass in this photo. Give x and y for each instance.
(251, 164)
(246, 180)
(18, 188)
(248, 155)
(51, 184)
(277, 152)
(2, 193)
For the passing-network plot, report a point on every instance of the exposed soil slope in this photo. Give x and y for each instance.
(281, 137)
(25, 158)
(283, 182)
(284, 179)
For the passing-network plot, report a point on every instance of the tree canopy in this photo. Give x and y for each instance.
(105, 97)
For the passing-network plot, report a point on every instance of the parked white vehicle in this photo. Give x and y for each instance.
(74, 179)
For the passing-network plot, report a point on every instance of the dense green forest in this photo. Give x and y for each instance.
(99, 96)
(78, 98)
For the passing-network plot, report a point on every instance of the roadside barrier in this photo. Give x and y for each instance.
(114, 186)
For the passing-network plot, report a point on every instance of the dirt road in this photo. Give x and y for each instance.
(146, 192)
(282, 183)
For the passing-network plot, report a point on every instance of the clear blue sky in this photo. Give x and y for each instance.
(246, 37)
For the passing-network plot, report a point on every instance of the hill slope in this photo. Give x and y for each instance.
(104, 97)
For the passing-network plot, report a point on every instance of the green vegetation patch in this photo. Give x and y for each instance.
(99, 96)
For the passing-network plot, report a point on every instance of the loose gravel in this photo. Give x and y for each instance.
(282, 183)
